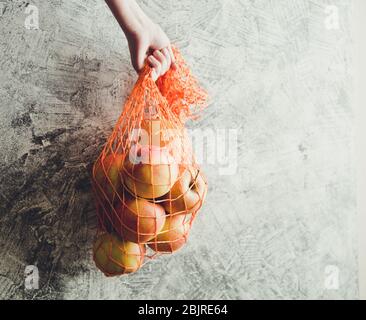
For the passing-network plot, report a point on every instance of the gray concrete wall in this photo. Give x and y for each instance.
(359, 25)
(283, 225)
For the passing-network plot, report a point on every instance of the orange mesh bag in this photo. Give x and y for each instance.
(147, 184)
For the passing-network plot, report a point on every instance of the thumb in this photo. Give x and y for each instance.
(138, 56)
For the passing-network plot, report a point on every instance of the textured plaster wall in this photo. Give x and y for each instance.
(275, 73)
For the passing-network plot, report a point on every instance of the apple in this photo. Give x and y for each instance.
(138, 220)
(107, 178)
(173, 235)
(158, 132)
(187, 194)
(149, 171)
(115, 257)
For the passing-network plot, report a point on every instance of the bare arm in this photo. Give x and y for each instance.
(146, 40)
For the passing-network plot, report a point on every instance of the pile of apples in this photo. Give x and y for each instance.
(147, 200)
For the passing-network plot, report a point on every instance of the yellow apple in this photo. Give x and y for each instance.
(107, 176)
(138, 220)
(187, 194)
(149, 171)
(115, 257)
(173, 235)
(159, 132)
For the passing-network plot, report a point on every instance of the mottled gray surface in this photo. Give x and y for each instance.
(274, 72)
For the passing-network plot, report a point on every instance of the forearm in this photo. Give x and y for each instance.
(129, 15)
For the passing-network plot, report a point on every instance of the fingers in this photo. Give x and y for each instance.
(167, 58)
(172, 57)
(155, 64)
(161, 61)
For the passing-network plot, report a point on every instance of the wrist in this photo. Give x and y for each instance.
(141, 27)
(133, 21)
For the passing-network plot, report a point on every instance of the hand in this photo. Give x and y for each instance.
(145, 38)
(151, 43)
